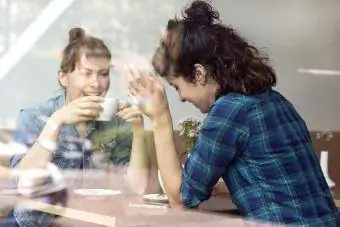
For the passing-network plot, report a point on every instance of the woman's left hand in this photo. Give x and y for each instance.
(130, 113)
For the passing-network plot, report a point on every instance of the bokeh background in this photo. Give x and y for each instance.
(295, 33)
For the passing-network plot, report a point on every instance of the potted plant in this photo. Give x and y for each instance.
(111, 146)
(189, 130)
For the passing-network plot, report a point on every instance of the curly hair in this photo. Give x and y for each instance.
(200, 38)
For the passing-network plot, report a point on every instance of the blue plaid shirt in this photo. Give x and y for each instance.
(262, 149)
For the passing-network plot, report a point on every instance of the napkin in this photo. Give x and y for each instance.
(55, 182)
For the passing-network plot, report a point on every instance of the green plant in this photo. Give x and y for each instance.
(115, 142)
(325, 136)
(189, 130)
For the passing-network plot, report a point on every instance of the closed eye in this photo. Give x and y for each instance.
(104, 74)
(174, 86)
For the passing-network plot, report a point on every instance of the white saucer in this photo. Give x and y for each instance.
(157, 198)
(97, 192)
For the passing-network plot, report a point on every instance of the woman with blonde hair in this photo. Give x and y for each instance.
(50, 129)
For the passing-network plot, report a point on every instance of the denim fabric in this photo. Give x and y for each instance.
(29, 126)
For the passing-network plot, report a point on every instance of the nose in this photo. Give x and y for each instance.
(181, 96)
(94, 81)
(182, 99)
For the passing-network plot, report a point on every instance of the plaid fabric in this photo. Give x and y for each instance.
(262, 149)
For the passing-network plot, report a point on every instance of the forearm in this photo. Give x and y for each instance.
(5, 173)
(167, 158)
(5, 160)
(37, 157)
(138, 172)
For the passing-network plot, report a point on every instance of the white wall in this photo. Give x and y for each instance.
(296, 33)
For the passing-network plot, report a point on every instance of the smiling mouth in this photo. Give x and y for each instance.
(92, 93)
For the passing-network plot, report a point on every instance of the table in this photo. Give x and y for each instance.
(128, 209)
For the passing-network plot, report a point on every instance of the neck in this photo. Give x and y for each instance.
(215, 91)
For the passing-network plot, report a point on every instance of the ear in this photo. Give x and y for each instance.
(201, 74)
(62, 77)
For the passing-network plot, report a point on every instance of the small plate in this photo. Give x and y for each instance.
(156, 198)
(97, 192)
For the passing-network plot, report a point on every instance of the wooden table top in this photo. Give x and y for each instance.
(127, 209)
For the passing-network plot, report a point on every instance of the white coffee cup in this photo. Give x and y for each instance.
(110, 108)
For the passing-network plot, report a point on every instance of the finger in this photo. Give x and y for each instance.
(134, 71)
(134, 88)
(147, 82)
(90, 105)
(133, 120)
(89, 113)
(133, 110)
(130, 114)
(130, 73)
(141, 87)
(134, 93)
(122, 105)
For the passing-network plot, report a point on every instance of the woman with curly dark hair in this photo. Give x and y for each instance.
(252, 136)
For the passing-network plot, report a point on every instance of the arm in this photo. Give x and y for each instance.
(167, 158)
(217, 145)
(139, 168)
(138, 172)
(27, 133)
(5, 173)
(45, 135)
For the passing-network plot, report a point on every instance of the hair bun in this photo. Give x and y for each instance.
(76, 34)
(201, 12)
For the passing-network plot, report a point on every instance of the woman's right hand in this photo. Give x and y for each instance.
(80, 110)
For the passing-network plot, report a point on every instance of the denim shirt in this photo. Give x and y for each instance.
(29, 126)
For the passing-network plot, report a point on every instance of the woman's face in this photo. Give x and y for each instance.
(90, 78)
(201, 96)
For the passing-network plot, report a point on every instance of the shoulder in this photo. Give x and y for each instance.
(227, 117)
(230, 105)
(38, 114)
(236, 102)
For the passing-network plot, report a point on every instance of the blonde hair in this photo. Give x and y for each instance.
(81, 43)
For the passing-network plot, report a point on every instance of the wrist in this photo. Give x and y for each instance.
(162, 120)
(48, 145)
(138, 129)
(55, 121)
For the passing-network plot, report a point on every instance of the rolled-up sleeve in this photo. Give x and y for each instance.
(27, 131)
(224, 130)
